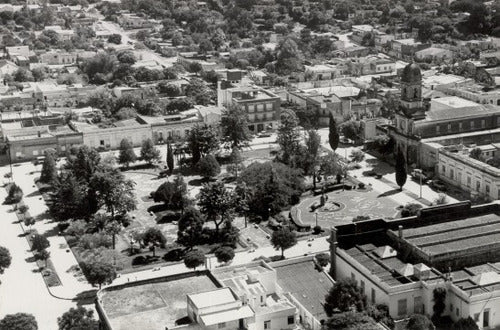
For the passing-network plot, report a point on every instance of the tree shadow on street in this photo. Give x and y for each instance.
(35, 193)
(389, 193)
(86, 297)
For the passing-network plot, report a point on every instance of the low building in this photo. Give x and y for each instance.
(401, 262)
(59, 57)
(321, 72)
(406, 48)
(434, 54)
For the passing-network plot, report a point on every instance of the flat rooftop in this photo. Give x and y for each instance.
(152, 306)
(388, 268)
(455, 236)
(306, 283)
(479, 279)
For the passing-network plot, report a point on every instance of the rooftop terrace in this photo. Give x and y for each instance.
(152, 306)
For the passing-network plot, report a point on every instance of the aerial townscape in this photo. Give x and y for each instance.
(249, 165)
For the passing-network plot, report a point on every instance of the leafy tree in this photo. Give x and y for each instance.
(439, 298)
(39, 243)
(208, 167)
(199, 92)
(224, 254)
(190, 228)
(400, 168)
(5, 259)
(116, 194)
(343, 296)
(194, 259)
(78, 318)
(202, 140)
(465, 324)
(289, 57)
(350, 321)
(217, 203)
(126, 56)
(29, 221)
(70, 199)
(44, 255)
(22, 75)
(14, 195)
(38, 74)
(476, 153)
(49, 169)
(283, 239)
(333, 134)
(323, 259)
(268, 194)
(357, 155)
(384, 144)
(83, 163)
(351, 130)
(173, 194)
(330, 165)
(170, 158)
(236, 163)
(149, 152)
(127, 154)
(234, 127)
(99, 272)
(419, 322)
(115, 39)
(288, 137)
(154, 237)
(410, 209)
(18, 321)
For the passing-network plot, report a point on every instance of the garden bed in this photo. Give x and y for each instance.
(47, 269)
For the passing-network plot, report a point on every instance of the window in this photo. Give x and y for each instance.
(457, 311)
(469, 181)
(251, 108)
(101, 142)
(487, 188)
(486, 318)
(269, 106)
(35, 152)
(452, 174)
(476, 317)
(267, 325)
(437, 129)
(401, 307)
(417, 305)
(362, 286)
(373, 295)
(483, 123)
(260, 107)
(221, 325)
(449, 127)
(291, 319)
(451, 307)
(478, 185)
(443, 169)
(472, 124)
(353, 277)
(261, 299)
(460, 126)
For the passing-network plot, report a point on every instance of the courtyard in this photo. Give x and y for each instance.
(341, 207)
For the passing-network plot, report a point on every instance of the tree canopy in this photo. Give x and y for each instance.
(343, 296)
(283, 239)
(5, 259)
(18, 321)
(78, 318)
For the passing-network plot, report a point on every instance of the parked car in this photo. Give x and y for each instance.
(264, 134)
(419, 175)
(39, 160)
(438, 185)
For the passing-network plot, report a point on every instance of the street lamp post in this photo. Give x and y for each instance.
(10, 161)
(316, 217)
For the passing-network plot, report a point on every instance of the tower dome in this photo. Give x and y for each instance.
(411, 74)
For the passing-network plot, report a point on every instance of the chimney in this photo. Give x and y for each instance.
(400, 231)
(333, 251)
